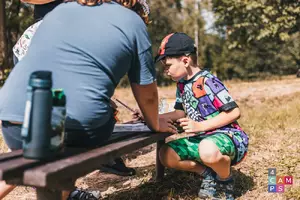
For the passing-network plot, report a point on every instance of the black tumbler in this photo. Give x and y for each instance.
(36, 130)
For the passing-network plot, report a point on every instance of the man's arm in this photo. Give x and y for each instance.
(147, 99)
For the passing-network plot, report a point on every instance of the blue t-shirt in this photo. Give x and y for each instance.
(88, 50)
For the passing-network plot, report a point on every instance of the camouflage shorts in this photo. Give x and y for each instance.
(187, 148)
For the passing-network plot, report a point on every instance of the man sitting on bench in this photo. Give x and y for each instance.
(88, 50)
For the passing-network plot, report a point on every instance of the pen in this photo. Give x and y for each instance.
(123, 104)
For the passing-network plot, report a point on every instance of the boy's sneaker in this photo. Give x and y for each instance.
(213, 188)
(227, 188)
(208, 187)
(84, 195)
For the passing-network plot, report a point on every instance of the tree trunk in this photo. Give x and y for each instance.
(3, 38)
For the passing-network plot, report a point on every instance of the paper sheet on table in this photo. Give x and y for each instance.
(138, 127)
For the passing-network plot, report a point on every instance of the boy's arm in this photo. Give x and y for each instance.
(174, 115)
(223, 119)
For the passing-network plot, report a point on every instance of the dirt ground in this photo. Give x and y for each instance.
(270, 114)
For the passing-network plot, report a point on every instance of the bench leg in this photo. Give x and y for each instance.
(160, 169)
(46, 194)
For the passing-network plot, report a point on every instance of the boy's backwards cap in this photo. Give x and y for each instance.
(37, 2)
(175, 44)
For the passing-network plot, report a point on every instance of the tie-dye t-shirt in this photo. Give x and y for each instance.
(203, 97)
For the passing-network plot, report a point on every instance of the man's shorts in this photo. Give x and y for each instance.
(75, 138)
(188, 148)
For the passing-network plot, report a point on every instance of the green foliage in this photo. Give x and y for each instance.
(254, 39)
(262, 37)
(164, 20)
(174, 16)
(246, 21)
(192, 20)
(18, 17)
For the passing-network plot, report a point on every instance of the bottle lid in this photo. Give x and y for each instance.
(41, 79)
(58, 97)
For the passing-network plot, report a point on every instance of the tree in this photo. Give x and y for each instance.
(3, 38)
(15, 18)
(262, 36)
(247, 21)
(176, 16)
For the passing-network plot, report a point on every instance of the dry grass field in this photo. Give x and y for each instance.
(270, 115)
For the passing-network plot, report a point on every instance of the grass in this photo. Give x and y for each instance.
(273, 126)
(270, 115)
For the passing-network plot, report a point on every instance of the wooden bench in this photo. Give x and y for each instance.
(51, 177)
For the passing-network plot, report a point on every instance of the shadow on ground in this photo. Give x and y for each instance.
(176, 185)
(243, 183)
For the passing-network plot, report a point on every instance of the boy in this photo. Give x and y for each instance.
(203, 107)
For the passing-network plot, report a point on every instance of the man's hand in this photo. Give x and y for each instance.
(137, 116)
(190, 126)
(166, 126)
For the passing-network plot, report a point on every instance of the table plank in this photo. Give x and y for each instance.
(83, 163)
(10, 155)
(13, 164)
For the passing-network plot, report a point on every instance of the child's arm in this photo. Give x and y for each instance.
(174, 115)
(223, 119)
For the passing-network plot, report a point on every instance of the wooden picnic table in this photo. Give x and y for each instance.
(53, 176)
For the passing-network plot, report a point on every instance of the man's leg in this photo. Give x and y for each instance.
(118, 167)
(94, 138)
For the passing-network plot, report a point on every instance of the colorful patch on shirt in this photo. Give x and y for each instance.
(205, 106)
(190, 104)
(215, 85)
(236, 126)
(217, 102)
(187, 95)
(198, 88)
(225, 97)
(193, 102)
(209, 92)
(180, 86)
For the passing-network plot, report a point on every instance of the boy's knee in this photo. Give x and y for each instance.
(168, 157)
(209, 152)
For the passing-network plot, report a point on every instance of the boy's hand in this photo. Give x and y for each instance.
(166, 126)
(190, 126)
